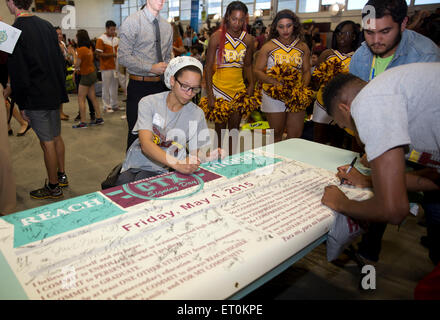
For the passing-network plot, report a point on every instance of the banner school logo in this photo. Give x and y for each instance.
(159, 188)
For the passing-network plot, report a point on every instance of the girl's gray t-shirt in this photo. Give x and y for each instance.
(187, 129)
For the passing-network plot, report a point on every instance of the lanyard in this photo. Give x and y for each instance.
(373, 68)
(23, 14)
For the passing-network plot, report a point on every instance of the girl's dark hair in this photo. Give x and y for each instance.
(285, 14)
(187, 68)
(354, 44)
(234, 5)
(397, 9)
(83, 38)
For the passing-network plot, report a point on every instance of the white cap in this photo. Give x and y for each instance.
(178, 63)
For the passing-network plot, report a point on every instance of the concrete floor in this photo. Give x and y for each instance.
(91, 153)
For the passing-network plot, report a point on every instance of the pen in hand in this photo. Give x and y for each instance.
(349, 169)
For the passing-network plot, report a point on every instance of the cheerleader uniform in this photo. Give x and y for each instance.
(228, 77)
(319, 113)
(281, 54)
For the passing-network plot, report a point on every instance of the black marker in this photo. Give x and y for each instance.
(349, 169)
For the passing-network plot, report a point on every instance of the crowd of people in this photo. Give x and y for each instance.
(374, 104)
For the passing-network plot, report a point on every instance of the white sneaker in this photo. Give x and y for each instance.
(109, 110)
(123, 117)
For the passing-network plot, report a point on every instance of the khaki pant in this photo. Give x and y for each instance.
(8, 197)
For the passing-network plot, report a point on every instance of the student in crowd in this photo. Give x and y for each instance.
(260, 39)
(68, 60)
(196, 52)
(387, 44)
(344, 44)
(38, 86)
(167, 124)
(187, 41)
(145, 46)
(284, 45)
(107, 52)
(230, 51)
(84, 64)
(413, 134)
(178, 47)
(316, 53)
(77, 79)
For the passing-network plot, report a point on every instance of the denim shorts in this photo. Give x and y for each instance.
(88, 79)
(45, 123)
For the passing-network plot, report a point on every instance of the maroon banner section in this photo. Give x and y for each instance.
(162, 186)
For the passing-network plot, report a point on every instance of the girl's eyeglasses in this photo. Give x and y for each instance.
(187, 88)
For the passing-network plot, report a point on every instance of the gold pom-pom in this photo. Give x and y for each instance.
(220, 113)
(293, 93)
(326, 71)
(245, 104)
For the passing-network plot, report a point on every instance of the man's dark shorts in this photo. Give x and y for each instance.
(45, 123)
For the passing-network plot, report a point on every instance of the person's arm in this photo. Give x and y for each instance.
(324, 56)
(390, 201)
(77, 60)
(422, 180)
(99, 50)
(247, 65)
(154, 152)
(101, 54)
(19, 71)
(306, 74)
(168, 49)
(261, 64)
(211, 60)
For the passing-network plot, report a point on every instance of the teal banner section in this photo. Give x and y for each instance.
(53, 219)
(239, 164)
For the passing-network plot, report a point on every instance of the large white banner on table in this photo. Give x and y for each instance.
(207, 241)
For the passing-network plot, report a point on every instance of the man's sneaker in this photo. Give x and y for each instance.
(47, 193)
(80, 125)
(97, 121)
(62, 180)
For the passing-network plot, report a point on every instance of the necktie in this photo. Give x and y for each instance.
(158, 48)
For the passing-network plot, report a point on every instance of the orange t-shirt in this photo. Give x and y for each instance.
(86, 56)
(106, 44)
(178, 43)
